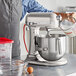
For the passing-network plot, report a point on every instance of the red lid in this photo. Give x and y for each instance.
(5, 40)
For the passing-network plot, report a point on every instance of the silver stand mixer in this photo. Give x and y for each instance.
(47, 41)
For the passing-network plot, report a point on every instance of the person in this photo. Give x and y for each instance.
(11, 12)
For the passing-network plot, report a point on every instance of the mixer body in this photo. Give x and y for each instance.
(47, 41)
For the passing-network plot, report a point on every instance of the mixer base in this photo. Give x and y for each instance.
(49, 63)
(40, 61)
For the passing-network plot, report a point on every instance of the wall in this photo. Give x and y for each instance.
(55, 5)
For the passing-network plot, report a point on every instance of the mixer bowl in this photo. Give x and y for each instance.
(51, 48)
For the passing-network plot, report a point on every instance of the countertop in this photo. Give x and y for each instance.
(65, 70)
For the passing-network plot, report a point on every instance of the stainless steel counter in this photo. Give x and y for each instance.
(65, 70)
(50, 71)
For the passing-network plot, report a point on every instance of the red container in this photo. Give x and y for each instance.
(5, 49)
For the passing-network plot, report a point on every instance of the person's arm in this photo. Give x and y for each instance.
(32, 6)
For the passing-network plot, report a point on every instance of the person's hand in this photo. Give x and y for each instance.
(64, 15)
(73, 17)
(69, 16)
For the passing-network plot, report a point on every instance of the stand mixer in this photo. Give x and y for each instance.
(47, 40)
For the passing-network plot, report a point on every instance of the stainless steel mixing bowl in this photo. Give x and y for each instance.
(51, 48)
